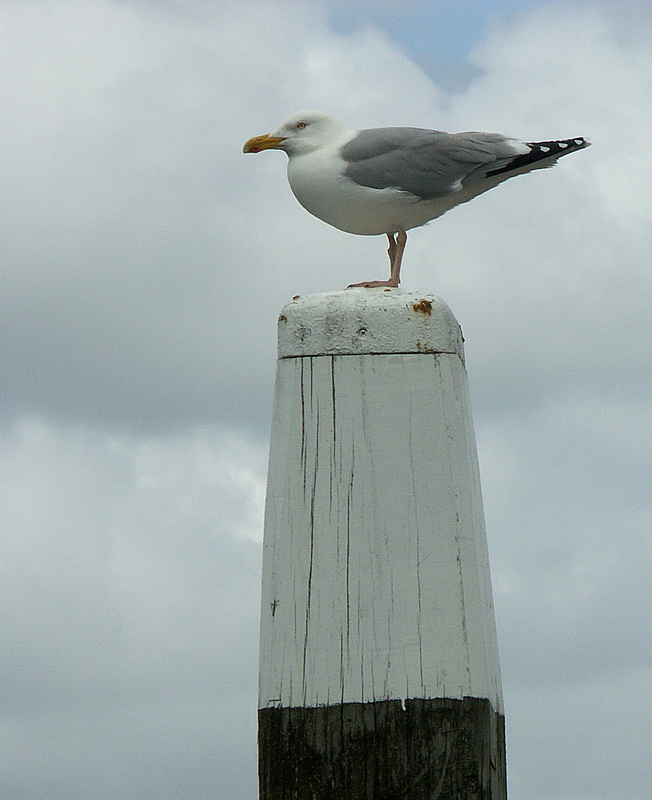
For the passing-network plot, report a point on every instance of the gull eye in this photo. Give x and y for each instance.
(302, 125)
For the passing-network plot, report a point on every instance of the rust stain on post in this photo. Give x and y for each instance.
(423, 307)
(422, 348)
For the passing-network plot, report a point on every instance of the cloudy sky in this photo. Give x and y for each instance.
(144, 261)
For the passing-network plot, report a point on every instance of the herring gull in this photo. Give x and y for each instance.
(388, 180)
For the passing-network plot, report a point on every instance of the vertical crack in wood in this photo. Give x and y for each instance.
(417, 539)
(449, 439)
(311, 557)
(347, 566)
(302, 397)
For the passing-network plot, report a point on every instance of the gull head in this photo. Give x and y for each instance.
(301, 133)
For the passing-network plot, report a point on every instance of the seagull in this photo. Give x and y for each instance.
(389, 180)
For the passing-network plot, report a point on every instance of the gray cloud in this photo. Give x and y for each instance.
(129, 608)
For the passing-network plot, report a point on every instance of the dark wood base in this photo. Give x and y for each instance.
(437, 749)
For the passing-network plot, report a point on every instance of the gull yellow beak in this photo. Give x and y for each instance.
(264, 142)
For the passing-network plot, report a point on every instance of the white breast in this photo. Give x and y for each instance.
(319, 184)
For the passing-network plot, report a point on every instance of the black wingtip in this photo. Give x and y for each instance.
(539, 151)
(558, 147)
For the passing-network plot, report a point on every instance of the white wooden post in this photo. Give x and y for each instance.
(379, 674)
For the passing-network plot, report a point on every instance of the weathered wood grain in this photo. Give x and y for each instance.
(376, 576)
(439, 749)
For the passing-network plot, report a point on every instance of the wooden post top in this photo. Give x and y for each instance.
(368, 321)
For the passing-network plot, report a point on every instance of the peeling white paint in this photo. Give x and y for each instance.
(376, 579)
(363, 321)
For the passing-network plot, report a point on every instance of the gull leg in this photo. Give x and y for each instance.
(391, 250)
(396, 259)
(395, 253)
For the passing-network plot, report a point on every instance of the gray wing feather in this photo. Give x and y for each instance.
(425, 163)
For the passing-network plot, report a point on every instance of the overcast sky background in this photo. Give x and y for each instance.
(144, 261)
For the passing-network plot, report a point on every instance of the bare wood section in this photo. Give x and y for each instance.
(437, 749)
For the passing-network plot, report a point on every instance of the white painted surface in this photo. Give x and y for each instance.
(361, 321)
(375, 579)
